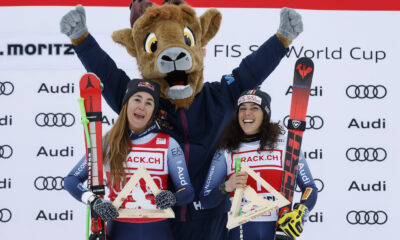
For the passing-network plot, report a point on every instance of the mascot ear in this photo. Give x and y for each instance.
(124, 37)
(210, 22)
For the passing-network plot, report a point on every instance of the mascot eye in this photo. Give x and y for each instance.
(189, 37)
(150, 45)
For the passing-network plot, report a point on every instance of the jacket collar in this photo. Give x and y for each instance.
(154, 127)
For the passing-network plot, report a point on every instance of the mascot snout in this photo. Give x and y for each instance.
(174, 61)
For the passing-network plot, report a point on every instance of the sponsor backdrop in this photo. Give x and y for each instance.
(352, 118)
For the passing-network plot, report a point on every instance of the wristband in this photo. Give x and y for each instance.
(222, 188)
(91, 199)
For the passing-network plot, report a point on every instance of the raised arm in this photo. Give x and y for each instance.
(93, 58)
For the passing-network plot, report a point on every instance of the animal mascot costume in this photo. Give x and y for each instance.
(167, 42)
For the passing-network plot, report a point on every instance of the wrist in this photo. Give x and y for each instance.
(222, 188)
(302, 208)
(80, 39)
(91, 199)
(85, 197)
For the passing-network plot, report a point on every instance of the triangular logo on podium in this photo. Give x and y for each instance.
(140, 213)
(254, 200)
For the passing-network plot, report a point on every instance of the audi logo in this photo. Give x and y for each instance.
(6, 88)
(366, 91)
(5, 215)
(49, 183)
(366, 217)
(6, 151)
(55, 119)
(318, 183)
(312, 122)
(366, 154)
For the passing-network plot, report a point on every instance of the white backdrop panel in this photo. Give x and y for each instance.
(348, 48)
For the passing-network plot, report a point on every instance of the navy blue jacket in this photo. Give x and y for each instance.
(198, 128)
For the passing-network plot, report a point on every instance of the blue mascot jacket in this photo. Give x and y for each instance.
(198, 128)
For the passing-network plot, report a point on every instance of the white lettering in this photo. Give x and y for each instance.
(197, 206)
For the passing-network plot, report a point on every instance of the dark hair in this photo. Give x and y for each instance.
(234, 135)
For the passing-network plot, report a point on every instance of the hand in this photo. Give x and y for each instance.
(165, 199)
(73, 24)
(291, 24)
(237, 180)
(103, 208)
(291, 223)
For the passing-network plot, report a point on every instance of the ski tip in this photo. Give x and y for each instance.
(91, 76)
(306, 61)
(90, 81)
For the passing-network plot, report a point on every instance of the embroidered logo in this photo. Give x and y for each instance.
(161, 141)
(249, 98)
(146, 84)
(229, 79)
(162, 114)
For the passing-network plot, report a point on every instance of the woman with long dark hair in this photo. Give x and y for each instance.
(136, 140)
(260, 144)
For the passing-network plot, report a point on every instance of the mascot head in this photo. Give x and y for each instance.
(167, 42)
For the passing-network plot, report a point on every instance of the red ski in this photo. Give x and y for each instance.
(90, 102)
(303, 73)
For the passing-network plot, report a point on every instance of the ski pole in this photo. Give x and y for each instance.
(237, 169)
(87, 221)
(85, 122)
(237, 164)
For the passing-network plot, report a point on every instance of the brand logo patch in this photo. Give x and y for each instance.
(250, 98)
(146, 84)
(151, 160)
(303, 70)
(229, 79)
(161, 141)
(266, 158)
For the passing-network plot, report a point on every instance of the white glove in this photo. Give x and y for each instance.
(291, 24)
(73, 24)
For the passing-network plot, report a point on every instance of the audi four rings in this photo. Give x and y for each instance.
(6, 151)
(49, 183)
(312, 122)
(6, 88)
(55, 119)
(5, 215)
(366, 91)
(366, 154)
(367, 217)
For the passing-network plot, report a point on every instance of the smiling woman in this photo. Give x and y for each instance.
(134, 141)
(142, 103)
(250, 118)
(140, 111)
(252, 139)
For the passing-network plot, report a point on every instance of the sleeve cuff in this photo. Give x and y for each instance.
(85, 197)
